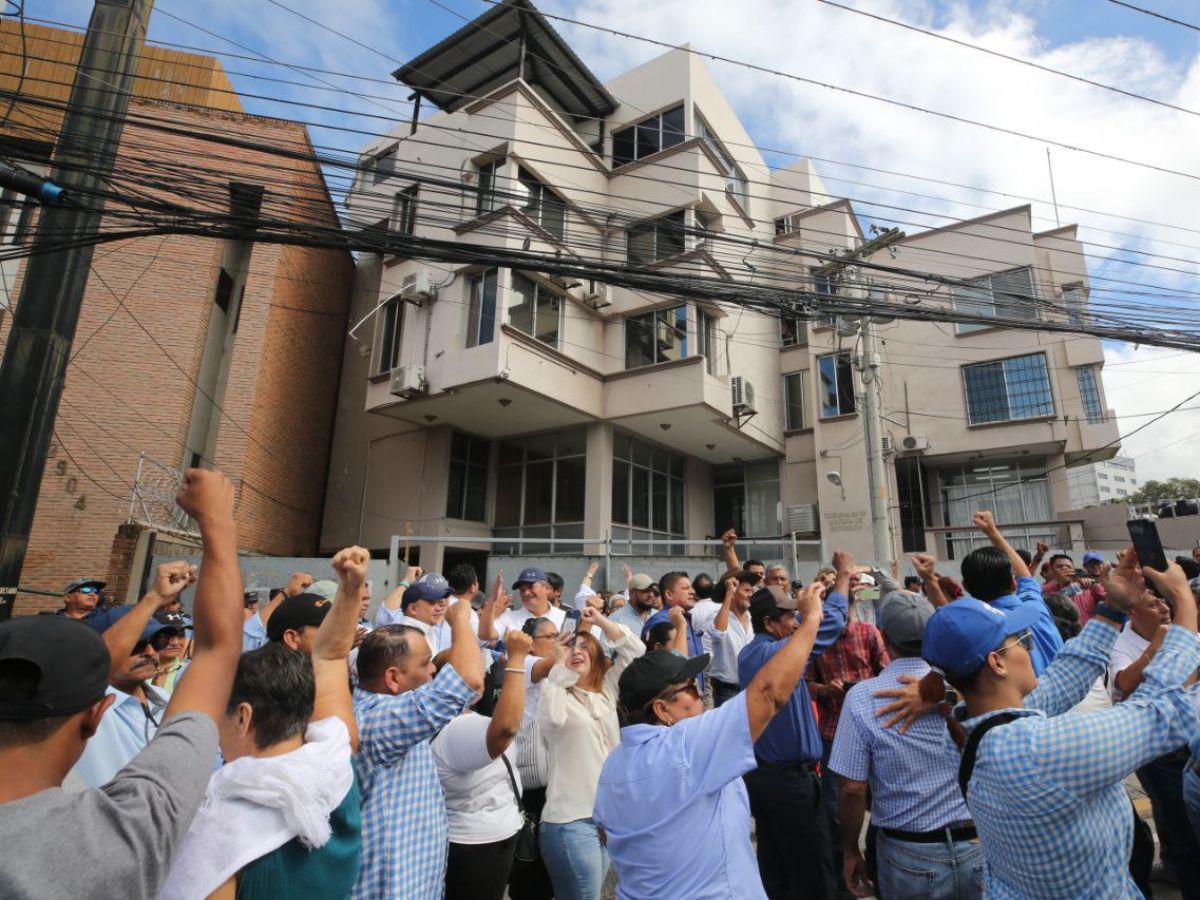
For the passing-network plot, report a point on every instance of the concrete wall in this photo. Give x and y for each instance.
(1104, 529)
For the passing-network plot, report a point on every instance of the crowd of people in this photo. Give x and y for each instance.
(923, 738)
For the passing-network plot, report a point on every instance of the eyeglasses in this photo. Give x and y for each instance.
(88, 589)
(160, 641)
(1025, 639)
(553, 636)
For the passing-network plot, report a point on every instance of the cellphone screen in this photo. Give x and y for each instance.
(571, 622)
(1147, 544)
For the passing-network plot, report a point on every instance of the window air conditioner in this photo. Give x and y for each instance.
(566, 282)
(889, 443)
(417, 287)
(598, 297)
(914, 442)
(743, 396)
(804, 519)
(408, 382)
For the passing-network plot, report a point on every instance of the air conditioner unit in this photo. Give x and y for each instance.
(566, 282)
(804, 519)
(598, 297)
(889, 443)
(914, 442)
(743, 396)
(417, 287)
(408, 381)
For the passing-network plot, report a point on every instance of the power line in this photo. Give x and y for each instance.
(1157, 15)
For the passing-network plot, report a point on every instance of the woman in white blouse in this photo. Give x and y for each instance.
(577, 715)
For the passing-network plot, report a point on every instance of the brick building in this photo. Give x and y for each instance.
(188, 348)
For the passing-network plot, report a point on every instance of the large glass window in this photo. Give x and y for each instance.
(1017, 491)
(466, 496)
(746, 498)
(796, 404)
(536, 310)
(648, 136)
(544, 206)
(540, 486)
(836, 390)
(1002, 295)
(481, 308)
(793, 331)
(389, 339)
(735, 181)
(655, 239)
(1089, 393)
(486, 199)
(648, 496)
(656, 337)
(1008, 390)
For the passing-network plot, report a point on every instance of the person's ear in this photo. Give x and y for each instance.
(661, 712)
(93, 715)
(391, 679)
(291, 639)
(995, 662)
(243, 717)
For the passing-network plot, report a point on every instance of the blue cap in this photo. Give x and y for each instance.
(960, 635)
(423, 590)
(529, 576)
(106, 619)
(435, 580)
(1092, 556)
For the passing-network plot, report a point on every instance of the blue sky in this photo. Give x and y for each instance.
(1094, 38)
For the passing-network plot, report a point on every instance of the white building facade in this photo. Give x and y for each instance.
(1101, 482)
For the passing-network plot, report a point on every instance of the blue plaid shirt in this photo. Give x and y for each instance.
(1047, 792)
(404, 830)
(914, 775)
(1046, 639)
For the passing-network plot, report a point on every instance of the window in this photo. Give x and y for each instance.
(648, 492)
(466, 496)
(481, 308)
(793, 331)
(1076, 305)
(648, 136)
(795, 399)
(825, 286)
(1017, 491)
(706, 329)
(537, 310)
(655, 239)
(735, 181)
(656, 337)
(543, 206)
(486, 199)
(836, 390)
(1102, 476)
(382, 165)
(1119, 478)
(1089, 393)
(1121, 492)
(404, 211)
(912, 500)
(540, 486)
(389, 343)
(1003, 295)
(1008, 390)
(1105, 489)
(746, 498)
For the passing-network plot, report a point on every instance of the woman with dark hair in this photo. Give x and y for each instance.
(578, 720)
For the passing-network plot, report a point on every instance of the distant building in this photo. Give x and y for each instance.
(1100, 482)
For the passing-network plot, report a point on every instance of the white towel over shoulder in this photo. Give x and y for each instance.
(253, 806)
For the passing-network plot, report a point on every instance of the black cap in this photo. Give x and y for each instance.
(651, 674)
(69, 660)
(296, 612)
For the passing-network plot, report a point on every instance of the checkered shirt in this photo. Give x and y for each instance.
(629, 617)
(859, 654)
(1047, 793)
(404, 830)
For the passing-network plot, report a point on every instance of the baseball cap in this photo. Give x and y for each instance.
(767, 600)
(323, 588)
(960, 635)
(866, 580)
(106, 619)
(1092, 556)
(79, 581)
(71, 663)
(652, 673)
(424, 590)
(902, 616)
(529, 576)
(297, 612)
(641, 582)
(435, 580)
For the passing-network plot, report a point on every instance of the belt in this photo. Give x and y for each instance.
(963, 832)
(787, 767)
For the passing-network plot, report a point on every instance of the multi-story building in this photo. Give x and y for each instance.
(1101, 482)
(490, 402)
(189, 349)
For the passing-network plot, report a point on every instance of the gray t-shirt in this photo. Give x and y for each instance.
(116, 840)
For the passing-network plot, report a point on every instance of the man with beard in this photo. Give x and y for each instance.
(633, 615)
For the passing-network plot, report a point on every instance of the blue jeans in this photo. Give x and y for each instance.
(575, 858)
(943, 871)
(1191, 794)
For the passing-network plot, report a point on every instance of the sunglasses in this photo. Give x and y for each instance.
(88, 589)
(1025, 639)
(160, 641)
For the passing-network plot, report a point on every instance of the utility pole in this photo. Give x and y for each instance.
(43, 327)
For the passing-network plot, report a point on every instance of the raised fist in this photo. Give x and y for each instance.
(351, 566)
(205, 495)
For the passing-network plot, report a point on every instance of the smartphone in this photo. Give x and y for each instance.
(571, 623)
(1147, 544)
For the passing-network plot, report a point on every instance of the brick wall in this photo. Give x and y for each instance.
(130, 385)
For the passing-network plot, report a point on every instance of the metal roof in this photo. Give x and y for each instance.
(486, 52)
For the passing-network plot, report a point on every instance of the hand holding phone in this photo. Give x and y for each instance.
(1147, 544)
(571, 623)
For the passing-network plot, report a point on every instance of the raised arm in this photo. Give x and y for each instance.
(925, 564)
(772, 686)
(1042, 549)
(585, 588)
(170, 579)
(217, 618)
(493, 607)
(464, 656)
(675, 617)
(297, 584)
(510, 708)
(729, 552)
(335, 637)
(986, 522)
(721, 622)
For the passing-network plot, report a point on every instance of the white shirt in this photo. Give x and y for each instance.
(441, 632)
(480, 805)
(424, 627)
(703, 614)
(726, 645)
(1125, 652)
(516, 618)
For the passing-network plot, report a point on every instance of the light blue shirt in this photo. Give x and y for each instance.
(914, 775)
(1046, 639)
(385, 616)
(685, 781)
(254, 633)
(124, 731)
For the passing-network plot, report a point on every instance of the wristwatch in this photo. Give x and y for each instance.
(1111, 613)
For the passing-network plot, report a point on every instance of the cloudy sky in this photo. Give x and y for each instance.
(1139, 225)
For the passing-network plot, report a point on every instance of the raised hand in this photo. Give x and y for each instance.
(351, 566)
(298, 584)
(626, 571)
(729, 538)
(170, 580)
(206, 496)
(1125, 584)
(1169, 582)
(924, 565)
(517, 644)
(843, 561)
(592, 616)
(984, 521)
(810, 603)
(675, 616)
(1042, 548)
(413, 573)
(592, 568)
